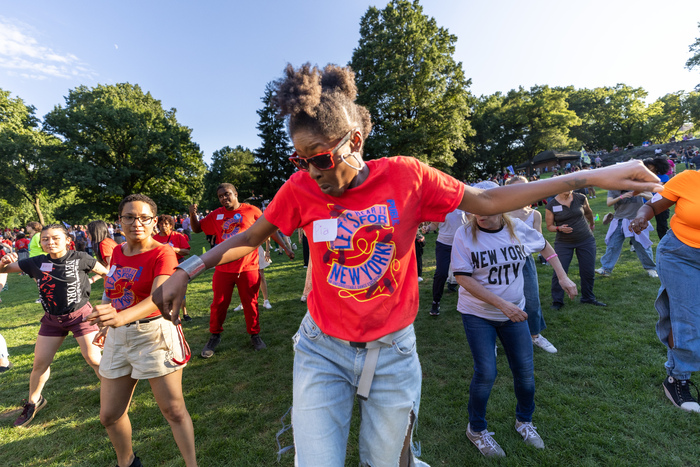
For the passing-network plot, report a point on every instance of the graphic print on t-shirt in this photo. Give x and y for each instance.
(47, 284)
(231, 226)
(118, 287)
(505, 272)
(361, 258)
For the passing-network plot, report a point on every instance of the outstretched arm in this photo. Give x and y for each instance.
(632, 176)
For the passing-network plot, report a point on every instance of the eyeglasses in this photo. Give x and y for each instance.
(322, 161)
(144, 220)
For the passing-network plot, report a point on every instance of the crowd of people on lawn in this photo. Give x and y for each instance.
(361, 220)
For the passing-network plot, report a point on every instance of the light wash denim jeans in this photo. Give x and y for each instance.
(614, 248)
(326, 374)
(678, 305)
(517, 343)
(533, 308)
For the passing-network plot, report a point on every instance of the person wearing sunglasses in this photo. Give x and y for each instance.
(361, 217)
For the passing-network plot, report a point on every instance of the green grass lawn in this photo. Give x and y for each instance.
(599, 400)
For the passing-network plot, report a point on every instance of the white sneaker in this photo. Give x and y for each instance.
(652, 273)
(632, 248)
(485, 443)
(303, 298)
(266, 304)
(542, 342)
(529, 433)
(602, 272)
(238, 308)
(420, 279)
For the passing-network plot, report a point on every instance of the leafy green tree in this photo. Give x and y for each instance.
(406, 76)
(271, 158)
(666, 116)
(26, 155)
(118, 140)
(612, 116)
(486, 147)
(235, 166)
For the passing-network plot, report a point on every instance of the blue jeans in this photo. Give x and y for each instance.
(516, 340)
(535, 320)
(614, 248)
(678, 305)
(326, 374)
(443, 256)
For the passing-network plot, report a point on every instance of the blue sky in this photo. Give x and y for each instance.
(211, 60)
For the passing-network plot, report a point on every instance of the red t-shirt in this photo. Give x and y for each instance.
(22, 244)
(107, 247)
(130, 278)
(175, 239)
(225, 224)
(365, 282)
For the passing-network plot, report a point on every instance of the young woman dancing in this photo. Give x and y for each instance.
(64, 290)
(140, 345)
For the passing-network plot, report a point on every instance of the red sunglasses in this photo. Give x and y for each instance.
(322, 161)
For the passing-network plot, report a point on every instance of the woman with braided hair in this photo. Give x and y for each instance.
(361, 219)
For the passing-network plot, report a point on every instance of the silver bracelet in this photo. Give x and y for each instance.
(193, 266)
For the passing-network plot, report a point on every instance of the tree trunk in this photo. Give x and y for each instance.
(37, 208)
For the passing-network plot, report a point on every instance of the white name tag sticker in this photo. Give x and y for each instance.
(219, 217)
(325, 230)
(111, 270)
(46, 267)
(556, 208)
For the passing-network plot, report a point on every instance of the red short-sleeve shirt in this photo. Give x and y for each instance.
(130, 278)
(365, 282)
(225, 224)
(175, 239)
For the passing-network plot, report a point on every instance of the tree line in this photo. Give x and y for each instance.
(111, 140)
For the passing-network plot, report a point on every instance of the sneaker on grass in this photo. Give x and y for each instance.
(678, 391)
(29, 412)
(529, 433)
(485, 443)
(602, 272)
(208, 350)
(435, 309)
(542, 342)
(257, 342)
(238, 308)
(267, 305)
(652, 273)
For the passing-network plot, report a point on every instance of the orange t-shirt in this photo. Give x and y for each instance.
(225, 224)
(683, 189)
(130, 278)
(362, 243)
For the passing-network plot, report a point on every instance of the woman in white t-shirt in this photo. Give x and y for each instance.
(488, 257)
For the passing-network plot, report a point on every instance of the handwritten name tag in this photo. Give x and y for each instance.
(556, 208)
(325, 230)
(46, 267)
(219, 217)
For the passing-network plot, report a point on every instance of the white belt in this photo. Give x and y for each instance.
(371, 359)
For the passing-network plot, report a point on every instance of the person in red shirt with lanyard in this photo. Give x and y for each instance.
(230, 219)
(361, 219)
(139, 344)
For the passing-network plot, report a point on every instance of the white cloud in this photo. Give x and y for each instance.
(22, 54)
